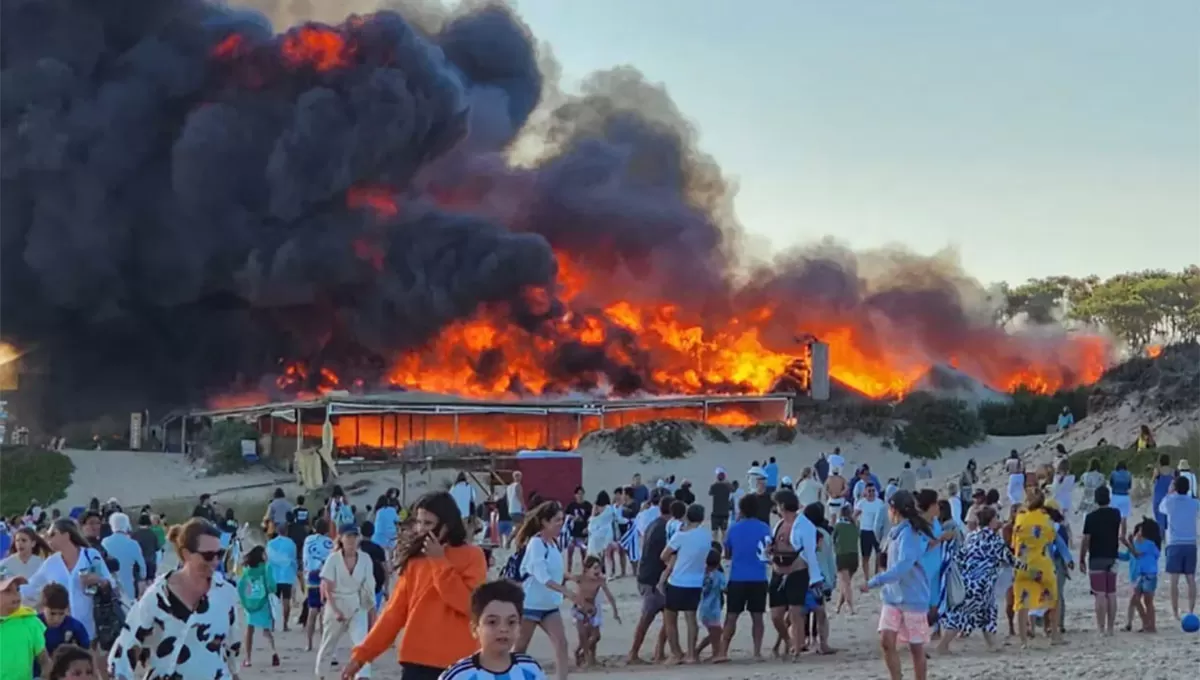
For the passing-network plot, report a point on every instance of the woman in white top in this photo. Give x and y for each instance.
(543, 574)
(348, 590)
(75, 566)
(1064, 488)
(26, 556)
(185, 625)
(1016, 482)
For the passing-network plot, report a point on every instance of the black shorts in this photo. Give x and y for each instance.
(788, 590)
(284, 591)
(749, 596)
(719, 522)
(682, 599)
(848, 562)
(867, 544)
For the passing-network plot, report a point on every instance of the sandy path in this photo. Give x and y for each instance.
(1166, 655)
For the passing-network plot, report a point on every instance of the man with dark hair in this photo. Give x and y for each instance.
(147, 540)
(1182, 511)
(747, 546)
(378, 565)
(204, 509)
(1098, 552)
(649, 573)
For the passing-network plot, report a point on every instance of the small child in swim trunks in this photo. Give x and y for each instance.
(589, 618)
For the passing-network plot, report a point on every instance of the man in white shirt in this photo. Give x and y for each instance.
(836, 461)
(515, 495)
(809, 490)
(869, 510)
(923, 471)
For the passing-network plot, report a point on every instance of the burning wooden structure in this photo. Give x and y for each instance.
(383, 426)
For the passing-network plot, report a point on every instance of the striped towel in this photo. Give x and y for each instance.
(564, 534)
(632, 544)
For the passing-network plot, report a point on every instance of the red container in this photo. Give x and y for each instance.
(553, 475)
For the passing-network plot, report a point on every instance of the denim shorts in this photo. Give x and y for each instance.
(538, 615)
(1146, 583)
(1181, 559)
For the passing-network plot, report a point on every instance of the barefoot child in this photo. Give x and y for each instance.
(254, 591)
(589, 618)
(710, 607)
(1143, 554)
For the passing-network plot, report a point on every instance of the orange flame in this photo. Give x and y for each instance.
(1154, 351)
(321, 48)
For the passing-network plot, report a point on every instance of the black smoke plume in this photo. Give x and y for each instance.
(186, 205)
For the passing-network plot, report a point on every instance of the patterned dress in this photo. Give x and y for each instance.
(979, 561)
(1035, 585)
(162, 638)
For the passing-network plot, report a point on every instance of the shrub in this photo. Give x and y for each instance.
(769, 433)
(1030, 413)
(669, 439)
(225, 446)
(935, 424)
(1140, 463)
(28, 472)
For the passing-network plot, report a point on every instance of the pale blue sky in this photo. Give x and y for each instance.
(1036, 137)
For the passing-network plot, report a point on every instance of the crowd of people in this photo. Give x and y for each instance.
(92, 595)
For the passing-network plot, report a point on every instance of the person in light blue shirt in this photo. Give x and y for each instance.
(285, 568)
(1182, 511)
(1065, 419)
(904, 586)
(121, 547)
(386, 523)
(771, 469)
(1120, 481)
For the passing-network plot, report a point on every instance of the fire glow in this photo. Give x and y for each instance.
(607, 341)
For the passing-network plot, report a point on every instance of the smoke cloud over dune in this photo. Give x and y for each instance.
(197, 204)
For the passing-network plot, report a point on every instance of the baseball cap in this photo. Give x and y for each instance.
(11, 581)
(348, 529)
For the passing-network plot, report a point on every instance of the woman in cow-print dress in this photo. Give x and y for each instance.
(979, 560)
(185, 625)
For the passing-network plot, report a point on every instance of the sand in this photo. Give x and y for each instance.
(1166, 655)
(135, 478)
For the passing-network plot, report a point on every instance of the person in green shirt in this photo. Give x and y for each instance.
(23, 633)
(845, 549)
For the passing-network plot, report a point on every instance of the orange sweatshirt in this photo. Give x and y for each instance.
(436, 594)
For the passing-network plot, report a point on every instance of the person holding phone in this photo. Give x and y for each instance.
(437, 571)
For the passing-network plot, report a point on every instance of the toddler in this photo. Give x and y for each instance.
(710, 606)
(589, 617)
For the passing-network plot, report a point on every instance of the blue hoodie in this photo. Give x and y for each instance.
(905, 585)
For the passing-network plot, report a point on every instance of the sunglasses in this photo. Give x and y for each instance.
(211, 555)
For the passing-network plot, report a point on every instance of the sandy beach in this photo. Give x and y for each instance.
(1166, 655)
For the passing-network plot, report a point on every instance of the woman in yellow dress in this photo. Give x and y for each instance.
(1035, 586)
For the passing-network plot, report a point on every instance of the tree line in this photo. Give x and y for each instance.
(1141, 308)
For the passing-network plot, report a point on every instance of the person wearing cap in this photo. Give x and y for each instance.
(1184, 469)
(720, 492)
(348, 590)
(904, 586)
(22, 632)
(758, 490)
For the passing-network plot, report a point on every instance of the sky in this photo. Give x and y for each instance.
(1035, 138)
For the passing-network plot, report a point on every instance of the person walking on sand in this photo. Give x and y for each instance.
(348, 590)
(255, 586)
(317, 549)
(185, 625)
(721, 493)
(541, 565)
(1098, 553)
(904, 587)
(979, 563)
(437, 569)
(747, 547)
(1182, 511)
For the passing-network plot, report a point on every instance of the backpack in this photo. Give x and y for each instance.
(344, 514)
(512, 567)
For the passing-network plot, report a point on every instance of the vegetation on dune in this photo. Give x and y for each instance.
(1140, 463)
(28, 472)
(669, 439)
(1030, 413)
(769, 433)
(934, 424)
